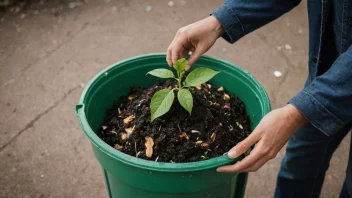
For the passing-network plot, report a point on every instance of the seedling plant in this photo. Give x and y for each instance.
(162, 100)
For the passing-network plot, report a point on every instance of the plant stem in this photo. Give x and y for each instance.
(179, 80)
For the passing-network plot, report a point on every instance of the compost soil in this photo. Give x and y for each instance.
(217, 123)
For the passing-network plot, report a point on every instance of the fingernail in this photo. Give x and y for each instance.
(232, 153)
(188, 67)
(220, 170)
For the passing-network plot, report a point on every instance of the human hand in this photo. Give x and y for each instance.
(197, 38)
(270, 136)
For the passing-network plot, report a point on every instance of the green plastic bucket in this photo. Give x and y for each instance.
(130, 177)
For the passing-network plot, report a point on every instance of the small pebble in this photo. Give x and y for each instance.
(41, 176)
(15, 9)
(72, 5)
(239, 125)
(279, 48)
(288, 47)
(148, 8)
(227, 106)
(277, 74)
(300, 31)
(171, 3)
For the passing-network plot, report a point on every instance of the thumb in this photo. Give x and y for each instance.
(194, 57)
(243, 146)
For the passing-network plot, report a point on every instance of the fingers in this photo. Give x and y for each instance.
(183, 53)
(256, 166)
(177, 48)
(188, 67)
(174, 52)
(168, 57)
(255, 160)
(195, 56)
(192, 49)
(251, 163)
(247, 162)
(243, 146)
(169, 54)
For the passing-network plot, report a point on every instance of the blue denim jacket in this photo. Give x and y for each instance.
(326, 100)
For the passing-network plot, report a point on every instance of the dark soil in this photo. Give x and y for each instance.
(215, 126)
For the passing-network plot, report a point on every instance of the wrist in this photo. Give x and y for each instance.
(295, 116)
(216, 26)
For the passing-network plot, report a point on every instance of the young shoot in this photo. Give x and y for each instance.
(162, 100)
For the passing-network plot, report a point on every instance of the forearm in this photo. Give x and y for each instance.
(217, 27)
(295, 119)
(240, 17)
(327, 101)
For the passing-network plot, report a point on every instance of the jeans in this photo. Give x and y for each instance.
(306, 160)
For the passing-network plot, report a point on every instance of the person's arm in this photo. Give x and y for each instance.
(232, 20)
(240, 17)
(271, 134)
(327, 101)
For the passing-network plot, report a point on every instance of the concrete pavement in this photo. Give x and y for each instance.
(46, 59)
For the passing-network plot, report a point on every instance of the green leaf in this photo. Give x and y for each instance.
(180, 65)
(199, 76)
(186, 100)
(162, 73)
(161, 103)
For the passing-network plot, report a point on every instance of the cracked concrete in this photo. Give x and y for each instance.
(45, 59)
(32, 122)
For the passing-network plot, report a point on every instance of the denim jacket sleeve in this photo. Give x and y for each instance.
(240, 17)
(327, 101)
